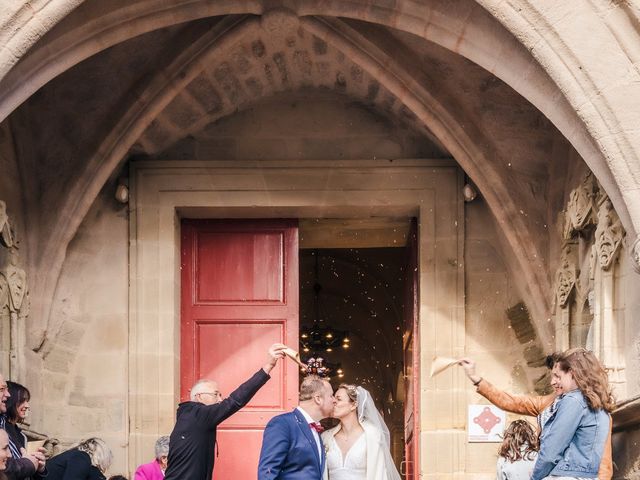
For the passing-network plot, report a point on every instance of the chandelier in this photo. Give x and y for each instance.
(320, 338)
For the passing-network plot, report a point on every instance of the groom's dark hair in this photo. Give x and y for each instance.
(310, 385)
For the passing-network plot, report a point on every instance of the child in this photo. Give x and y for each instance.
(518, 452)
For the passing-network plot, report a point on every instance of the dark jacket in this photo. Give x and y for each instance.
(74, 464)
(19, 469)
(15, 434)
(192, 442)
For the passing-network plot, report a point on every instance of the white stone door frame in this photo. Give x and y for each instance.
(163, 192)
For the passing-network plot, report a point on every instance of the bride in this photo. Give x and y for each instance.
(358, 448)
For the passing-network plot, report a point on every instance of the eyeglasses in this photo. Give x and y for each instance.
(214, 394)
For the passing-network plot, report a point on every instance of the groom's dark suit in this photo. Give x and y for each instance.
(289, 450)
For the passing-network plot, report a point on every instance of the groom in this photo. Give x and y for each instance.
(291, 445)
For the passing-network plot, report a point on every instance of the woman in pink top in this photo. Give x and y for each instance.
(155, 470)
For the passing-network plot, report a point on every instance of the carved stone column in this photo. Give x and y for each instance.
(609, 235)
(13, 288)
(566, 278)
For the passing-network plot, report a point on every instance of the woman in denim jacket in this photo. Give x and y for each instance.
(573, 437)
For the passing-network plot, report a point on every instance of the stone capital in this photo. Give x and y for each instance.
(609, 234)
(566, 275)
(581, 206)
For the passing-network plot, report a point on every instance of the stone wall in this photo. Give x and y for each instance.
(491, 337)
(80, 385)
(305, 125)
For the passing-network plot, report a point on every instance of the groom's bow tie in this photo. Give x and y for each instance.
(317, 427)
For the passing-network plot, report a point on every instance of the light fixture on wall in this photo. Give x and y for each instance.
(321, 339)
(122, 190)
(469, 192)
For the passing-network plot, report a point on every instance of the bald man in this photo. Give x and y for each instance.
(192, 442)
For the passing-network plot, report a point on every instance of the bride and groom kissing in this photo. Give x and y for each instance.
(294, 447)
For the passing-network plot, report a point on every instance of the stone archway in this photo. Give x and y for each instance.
(471, 29)
(473, 148)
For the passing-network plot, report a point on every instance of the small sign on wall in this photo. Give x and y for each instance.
(486, 423)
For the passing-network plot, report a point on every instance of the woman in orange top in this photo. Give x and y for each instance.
(533, 405)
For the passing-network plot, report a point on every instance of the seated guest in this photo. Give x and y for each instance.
(20, 466)
(155, 470)
(5, 453)
(88, 461)
(17, 411)
(518, 452)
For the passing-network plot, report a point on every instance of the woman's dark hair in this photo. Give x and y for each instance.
(19, 395)
(117, 477)
(520, 442)
(551, 360)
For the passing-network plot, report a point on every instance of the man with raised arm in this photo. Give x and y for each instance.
(192, 442)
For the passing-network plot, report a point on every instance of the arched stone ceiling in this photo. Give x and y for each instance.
(524, 51)
(254, 60)
(226, 56)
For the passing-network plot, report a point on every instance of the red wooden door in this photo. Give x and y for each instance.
(410, 468)
(239, 296)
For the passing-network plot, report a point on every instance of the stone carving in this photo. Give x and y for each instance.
(567, 274)
(581, 208)
(609, 234)
(13, 279)
(16, 280)
(6, 238)
(634, 251)
(280, 21)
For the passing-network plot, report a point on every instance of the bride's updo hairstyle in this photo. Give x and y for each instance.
(352, 391)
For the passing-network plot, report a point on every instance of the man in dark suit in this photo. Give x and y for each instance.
(192, 442)
(291, 445)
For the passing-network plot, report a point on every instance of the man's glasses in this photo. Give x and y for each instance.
(214, 394)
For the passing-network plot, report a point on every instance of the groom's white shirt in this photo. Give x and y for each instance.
(316, 435)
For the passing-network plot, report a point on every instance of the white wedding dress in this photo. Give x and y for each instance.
(354, 464)
(369, 458)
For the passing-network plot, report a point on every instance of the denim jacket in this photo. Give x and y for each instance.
(573, 439)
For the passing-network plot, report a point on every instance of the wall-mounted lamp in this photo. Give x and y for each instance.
(122, 190)
(469, 192)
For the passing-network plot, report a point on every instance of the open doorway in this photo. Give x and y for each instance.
(353, 295)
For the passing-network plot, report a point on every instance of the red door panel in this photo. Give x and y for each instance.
(239, 267)
(221, 345)
(239, 295)
(410, 468)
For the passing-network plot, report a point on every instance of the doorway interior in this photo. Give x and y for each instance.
(352, 288)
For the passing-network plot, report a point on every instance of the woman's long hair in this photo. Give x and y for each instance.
(520, 442)
(590, 376)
